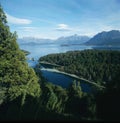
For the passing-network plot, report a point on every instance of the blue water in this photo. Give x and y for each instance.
(41, 50)
(38, 51)
(64, 81)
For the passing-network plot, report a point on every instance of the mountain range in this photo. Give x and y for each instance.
(103, 38)
(73, 39)
(33, 41)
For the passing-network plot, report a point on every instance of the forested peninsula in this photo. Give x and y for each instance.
(95, 65)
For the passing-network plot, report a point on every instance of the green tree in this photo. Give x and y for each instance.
(16, 77)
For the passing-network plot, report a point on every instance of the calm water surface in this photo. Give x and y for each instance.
(41, 50)
(37, 51)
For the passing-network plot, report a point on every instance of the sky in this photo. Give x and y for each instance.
(55, 18)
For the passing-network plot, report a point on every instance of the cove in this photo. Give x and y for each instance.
(38, 51)
(65, 80)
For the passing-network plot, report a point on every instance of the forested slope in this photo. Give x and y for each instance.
(98, 66)
(17, 80)
(101, 66)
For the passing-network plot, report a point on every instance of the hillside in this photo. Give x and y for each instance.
(101, 66)
(95, 65)
(106, 38)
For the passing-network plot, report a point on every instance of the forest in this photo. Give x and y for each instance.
(96, 65)
(25, 95)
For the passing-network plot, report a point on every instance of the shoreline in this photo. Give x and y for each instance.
(47, 63)
(72, 75)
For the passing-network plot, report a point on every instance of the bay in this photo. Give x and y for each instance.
(37, 51)
(65, 81)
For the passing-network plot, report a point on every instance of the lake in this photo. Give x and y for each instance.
(41, 50)
(65, 80)
(38, 51)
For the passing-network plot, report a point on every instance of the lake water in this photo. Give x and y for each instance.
(38, 51)
(41, 50)
(64, 80)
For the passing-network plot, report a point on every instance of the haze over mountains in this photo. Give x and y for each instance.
(103, 38)
(74, 39)
(34, 41)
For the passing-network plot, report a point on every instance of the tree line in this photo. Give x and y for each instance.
(96, 65)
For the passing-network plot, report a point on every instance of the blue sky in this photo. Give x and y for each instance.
(56, 18)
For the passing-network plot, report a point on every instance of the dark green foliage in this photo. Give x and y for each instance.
(53, 97)
(12, 110)
(108, 102)
(15, 75)
(26, 52)
(95, 65)
(75, 89)
(100, 66)
(71, 102)
(80, 104)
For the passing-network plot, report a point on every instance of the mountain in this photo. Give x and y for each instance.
(34, 41)
(74, 39)
(105, 38)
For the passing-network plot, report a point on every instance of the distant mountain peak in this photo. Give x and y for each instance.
(105, 38)
(73, 39)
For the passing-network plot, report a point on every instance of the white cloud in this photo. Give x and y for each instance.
(15, 20)
(63, 27)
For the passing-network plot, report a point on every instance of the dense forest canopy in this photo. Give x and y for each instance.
(101, 66)
(16, 77)
(98, 66)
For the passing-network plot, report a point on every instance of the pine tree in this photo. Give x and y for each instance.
(16, 77)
